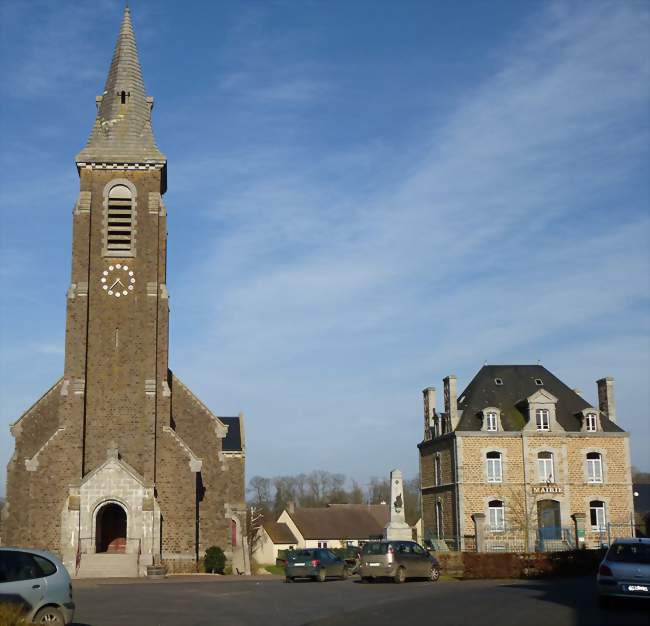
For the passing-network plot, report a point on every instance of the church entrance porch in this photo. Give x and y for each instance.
(110, 529)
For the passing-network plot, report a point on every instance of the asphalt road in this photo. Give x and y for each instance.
(203, 601)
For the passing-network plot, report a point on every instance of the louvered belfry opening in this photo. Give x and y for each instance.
(119, 227)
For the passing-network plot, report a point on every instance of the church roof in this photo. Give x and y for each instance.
(122, 132)
(232, 441)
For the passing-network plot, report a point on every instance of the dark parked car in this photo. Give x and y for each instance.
(625, 571)
(398, 560)
(39, 582)
(315, 563)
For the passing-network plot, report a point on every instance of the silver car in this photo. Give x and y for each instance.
(39, 582)
(398, 560)
(625, 571)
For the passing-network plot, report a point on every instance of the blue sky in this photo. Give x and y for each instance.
(363, 198)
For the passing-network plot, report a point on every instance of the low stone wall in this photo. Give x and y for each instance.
(180, 566)
(473, 565)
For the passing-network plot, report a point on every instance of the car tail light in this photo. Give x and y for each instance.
(604, 570)
(315, 563)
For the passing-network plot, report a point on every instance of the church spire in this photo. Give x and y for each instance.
(122, 132)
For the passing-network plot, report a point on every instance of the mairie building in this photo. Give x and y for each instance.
(519, 461)
(119, 465)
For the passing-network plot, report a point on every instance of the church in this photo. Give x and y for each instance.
(119, 466)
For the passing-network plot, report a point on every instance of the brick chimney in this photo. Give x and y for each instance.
(606, 402)
(451, 401)
(429, 410)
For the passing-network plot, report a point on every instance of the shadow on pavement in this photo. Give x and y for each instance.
(583, 599)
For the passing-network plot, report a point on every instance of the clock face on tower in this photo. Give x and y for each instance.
(118, 280)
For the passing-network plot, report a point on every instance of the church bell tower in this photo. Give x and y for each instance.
(119, 456)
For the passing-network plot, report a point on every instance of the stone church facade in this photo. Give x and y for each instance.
(118, 456)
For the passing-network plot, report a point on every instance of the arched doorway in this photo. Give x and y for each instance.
(110, 532)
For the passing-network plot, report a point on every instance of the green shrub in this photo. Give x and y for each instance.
(12, 615)
(215, 560)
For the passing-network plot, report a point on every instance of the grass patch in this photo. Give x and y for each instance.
(278, 570)
(12, 615)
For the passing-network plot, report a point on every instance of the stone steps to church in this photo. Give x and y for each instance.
(108, 565)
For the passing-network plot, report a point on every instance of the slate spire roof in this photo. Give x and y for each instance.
(122, 132)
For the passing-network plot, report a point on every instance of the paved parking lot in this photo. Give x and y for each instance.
(268, 601)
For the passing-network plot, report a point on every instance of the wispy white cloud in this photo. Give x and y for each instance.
(333, 305)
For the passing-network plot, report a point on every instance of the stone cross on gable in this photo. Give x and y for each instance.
(112, 451)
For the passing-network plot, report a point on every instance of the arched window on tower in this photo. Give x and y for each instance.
(119, 221)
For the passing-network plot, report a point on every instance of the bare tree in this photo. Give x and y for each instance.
(254, 521)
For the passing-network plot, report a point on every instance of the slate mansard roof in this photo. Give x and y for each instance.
(510, 398)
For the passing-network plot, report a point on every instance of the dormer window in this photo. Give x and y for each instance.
(491, 421)
(590, 423)
(542, 420)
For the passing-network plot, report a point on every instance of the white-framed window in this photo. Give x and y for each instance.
(542, 419)
(491, 421)
(496, 516)
(437, 470)
(494, 467)
(597, 514)
(545, 469)
(594, 467)
(590, 422)
(322, 544)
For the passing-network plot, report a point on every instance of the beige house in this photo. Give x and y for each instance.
(520, 461)
(333, 526)
(273, 537)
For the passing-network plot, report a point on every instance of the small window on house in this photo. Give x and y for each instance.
(494, 467)
(491, 421)
(119, 226)
(591, 422)
(496, 516)
(539, 382)
(545, 470)
(597, 515)
(498, 381)
(437, 470)
(542, 419)
(594, 467)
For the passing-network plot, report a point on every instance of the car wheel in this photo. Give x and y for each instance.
(289, 579)
(400, 576)
(49, 615)
(434, 574)
(345, 573)
(322, 575)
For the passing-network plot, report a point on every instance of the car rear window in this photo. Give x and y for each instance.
(375, 548)
(629, 553)
(47, 567)
(302, 554)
